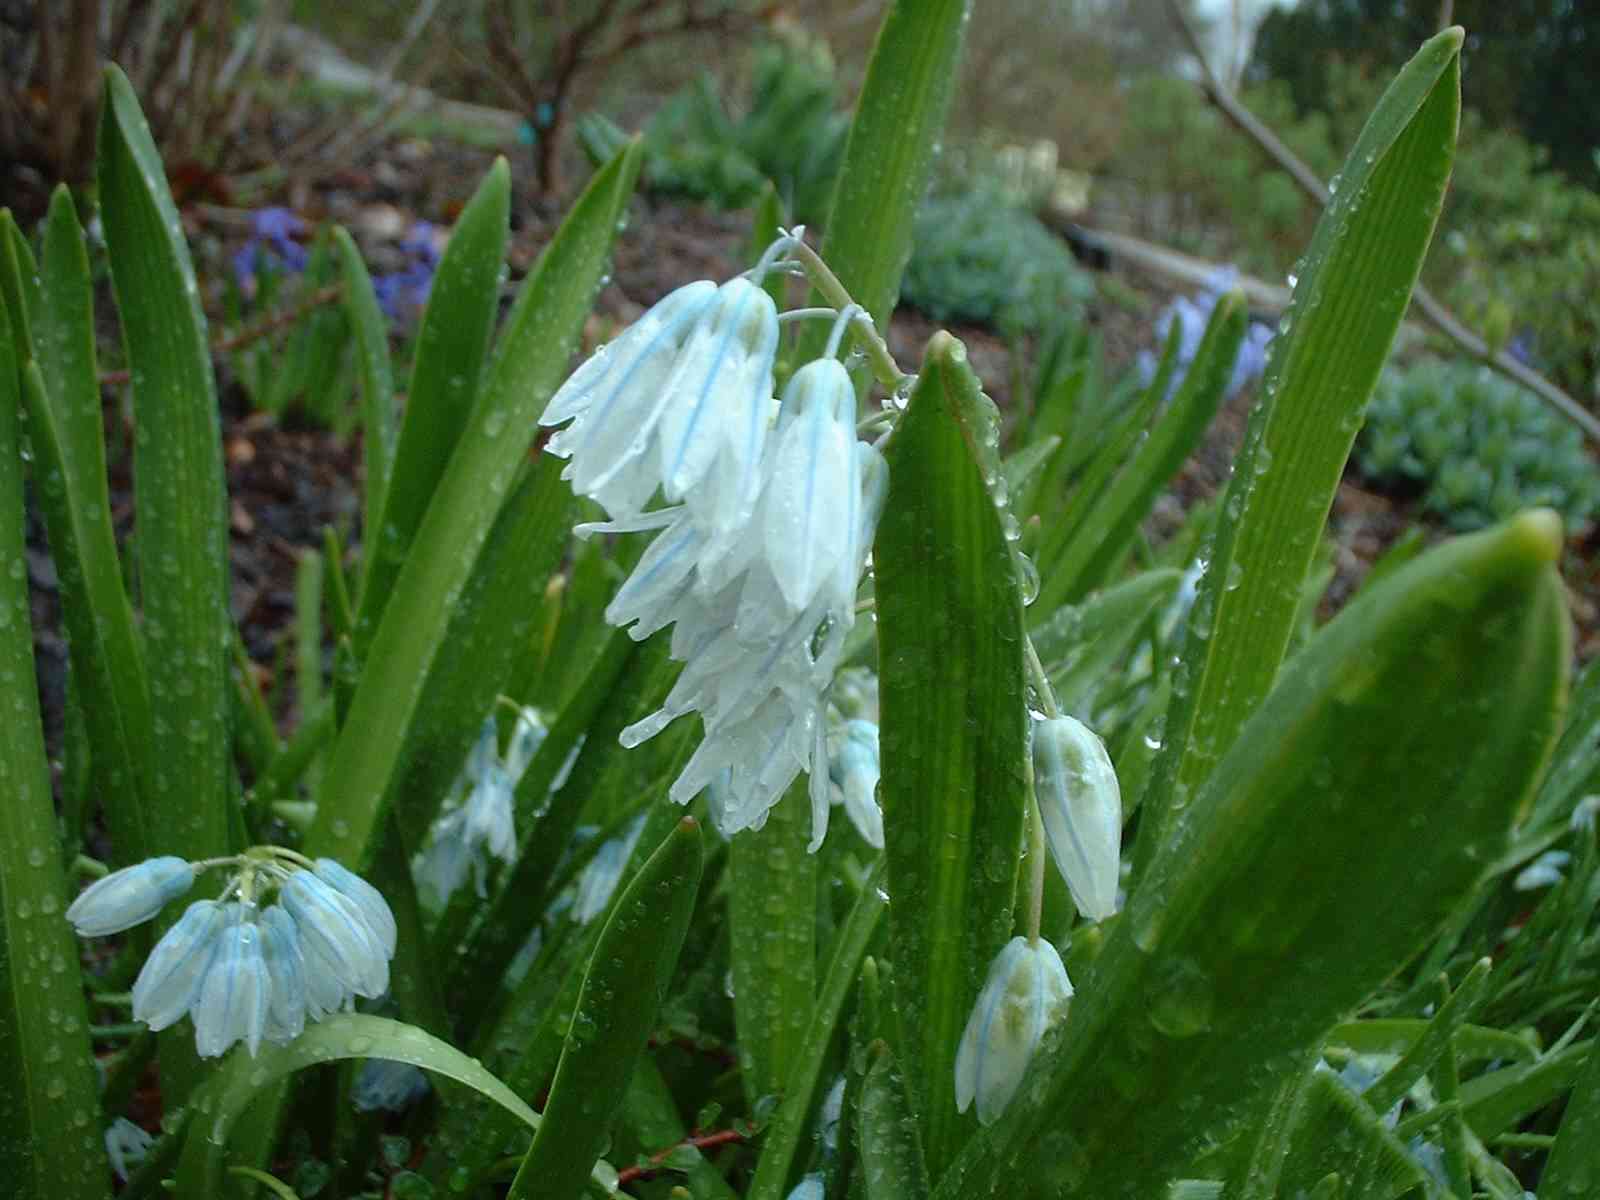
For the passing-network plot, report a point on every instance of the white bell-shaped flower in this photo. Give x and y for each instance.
(1026, 993)
(368, 899)
(333, 930)
(237, 992)
(130, 896)
(286, 964)
(170, 980)
(1082, 809)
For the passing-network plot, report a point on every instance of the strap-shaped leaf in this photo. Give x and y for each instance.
(1354, 811)
(1336, 1131)
(529, 362)
(772, 933)
(1573, 1167)
(950, 669)
(898, 121)
(1354, 284)
(63, 403)
(451, 347)
(782, 1137)
(46, 1072)
(241, 1079)
(891, 1154)
(625, 984)
(178, 491)
(370, 335)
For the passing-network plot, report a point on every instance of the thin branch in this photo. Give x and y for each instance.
(1432, 310)
(255, 333)
(708, 1141)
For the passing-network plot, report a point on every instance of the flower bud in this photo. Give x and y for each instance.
(130, 896)
(1082, 810)
(1026, 994)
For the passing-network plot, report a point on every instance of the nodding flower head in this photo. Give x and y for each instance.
(241, 972)
(1026, 993)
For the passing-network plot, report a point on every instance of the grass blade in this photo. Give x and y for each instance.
(46, 1070)
(178, 489)
(627, 979)
(529, 361)
(950, 669)
(1354, 284)
(451, 346)
(370, 333)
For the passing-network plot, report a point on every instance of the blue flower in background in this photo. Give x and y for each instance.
(1192, 316)
(403, 294)
(272, 233)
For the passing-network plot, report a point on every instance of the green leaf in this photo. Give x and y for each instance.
(1301, 875)
(1496, 1101)
(49, 1110)
(370, 333)
(452, 344)
(891, 1156)
(950, 670)
(529, 361)
(782, 1137)
(1337, 1132)
(241, 1078)
(627, 979)
(1574, 1163)
(1396, 1036)
(178, 489)
(1439, 1038)
(894, 136)
(1355, 281)
(63, 403)
(1113, 517)
(772, 929)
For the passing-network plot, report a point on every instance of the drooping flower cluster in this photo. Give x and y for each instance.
(244, 972)
(467, 833)
(769, 514)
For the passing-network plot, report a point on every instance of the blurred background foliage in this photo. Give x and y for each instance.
(1071, 115)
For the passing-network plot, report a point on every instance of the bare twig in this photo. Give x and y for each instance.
(708, 1141)
(255, 333)
(1429, 307)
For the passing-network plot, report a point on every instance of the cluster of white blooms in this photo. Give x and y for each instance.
(243, 972)
(469, 831)
(769, 512)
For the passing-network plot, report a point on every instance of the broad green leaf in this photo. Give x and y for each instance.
(49, 1112)
(1337, 1132)
(1354, 284)
(772, 933)
(1573, 1168)
(451, 346)
(891, 1156)
(241, 1078)
(63, 403)
(627, 979)
(370, 334)
(1113, 517)
(894, 137)
(529, 362)
(1300, 876)
(950, 670)
(782, 1137)
(178, 490)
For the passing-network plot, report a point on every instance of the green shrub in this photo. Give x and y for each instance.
(1478, 447)
(793, 133)
(977, 259)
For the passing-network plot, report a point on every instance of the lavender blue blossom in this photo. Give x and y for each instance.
(272, 237)
(1190, 316)
(237, 990)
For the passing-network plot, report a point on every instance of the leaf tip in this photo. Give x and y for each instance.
(1538, 531)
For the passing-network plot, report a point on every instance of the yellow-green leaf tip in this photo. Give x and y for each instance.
(1538, 530)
